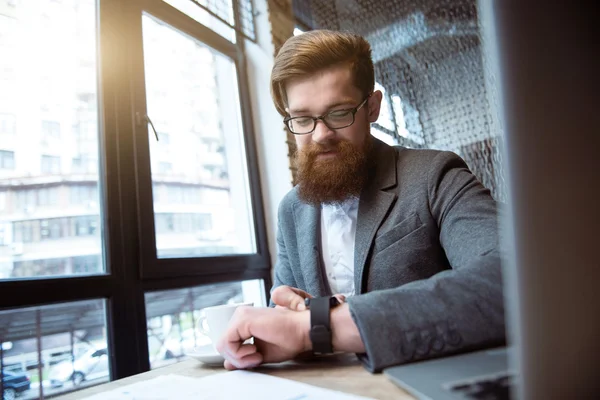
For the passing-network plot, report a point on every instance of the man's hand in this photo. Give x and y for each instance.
(293, 298)
(279, 335)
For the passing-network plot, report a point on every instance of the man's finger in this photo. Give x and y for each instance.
(229, 366)
(245, 350)
(249, 361)
(289, 297)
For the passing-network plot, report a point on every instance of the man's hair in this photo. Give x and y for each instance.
(313, 51)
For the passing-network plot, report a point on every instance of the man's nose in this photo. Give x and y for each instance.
(322, 132)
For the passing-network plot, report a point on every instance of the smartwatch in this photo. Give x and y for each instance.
(320, 323)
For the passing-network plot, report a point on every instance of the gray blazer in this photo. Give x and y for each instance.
(427, 268)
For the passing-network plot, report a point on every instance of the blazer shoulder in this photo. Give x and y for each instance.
(427, 160)
(286, 204)
(424, 155)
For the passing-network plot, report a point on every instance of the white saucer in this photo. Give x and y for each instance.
(207, 355)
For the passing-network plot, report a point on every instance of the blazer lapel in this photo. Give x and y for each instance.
(373, 206)
(307, 221)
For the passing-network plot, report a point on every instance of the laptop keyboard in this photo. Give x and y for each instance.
(496, 387)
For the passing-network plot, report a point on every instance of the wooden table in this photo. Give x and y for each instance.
(340, 372)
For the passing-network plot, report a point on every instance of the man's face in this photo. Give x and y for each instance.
(331, 163)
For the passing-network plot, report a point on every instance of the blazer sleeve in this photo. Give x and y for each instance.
(455, 310)
(283, 272)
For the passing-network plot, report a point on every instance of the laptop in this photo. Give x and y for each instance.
(550, 110)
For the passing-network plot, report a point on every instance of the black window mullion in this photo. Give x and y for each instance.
(143, 177)
(206, 266)
(181, 282)
(33, 292)
(126, 313)
(260, 228)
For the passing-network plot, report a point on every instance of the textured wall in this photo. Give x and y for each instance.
(282, 19)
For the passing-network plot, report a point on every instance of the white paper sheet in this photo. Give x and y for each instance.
(242, 385)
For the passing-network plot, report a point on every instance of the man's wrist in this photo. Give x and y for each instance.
(345, 336)
(303, 320)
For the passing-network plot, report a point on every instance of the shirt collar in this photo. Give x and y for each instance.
(347, 206)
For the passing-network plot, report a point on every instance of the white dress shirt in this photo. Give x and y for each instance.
(338, 231)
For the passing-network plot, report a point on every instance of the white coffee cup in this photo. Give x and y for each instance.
(215, 320)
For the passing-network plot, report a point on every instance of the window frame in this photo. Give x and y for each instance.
(153, 267)
(125, 190)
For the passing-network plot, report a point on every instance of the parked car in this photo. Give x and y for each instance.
(14, 384)
(93, 364)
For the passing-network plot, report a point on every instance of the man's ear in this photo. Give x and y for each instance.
(374, 104)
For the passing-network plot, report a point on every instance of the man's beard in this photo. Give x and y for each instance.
(332, 180)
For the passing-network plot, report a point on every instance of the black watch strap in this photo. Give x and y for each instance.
(320, 324)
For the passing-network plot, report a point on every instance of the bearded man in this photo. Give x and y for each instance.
(396, 249)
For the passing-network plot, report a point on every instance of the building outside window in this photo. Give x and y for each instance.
(75, 159)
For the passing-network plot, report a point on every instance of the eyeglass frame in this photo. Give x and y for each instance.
(354, 110)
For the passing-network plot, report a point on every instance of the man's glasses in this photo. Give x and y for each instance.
(333, 120)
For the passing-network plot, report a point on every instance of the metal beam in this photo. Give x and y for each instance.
(411, 31)
(1, 367)
(38, 331)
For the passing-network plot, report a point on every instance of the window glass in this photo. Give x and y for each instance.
(173, 316)
(49, 183)
(201, 201)
(49, 350)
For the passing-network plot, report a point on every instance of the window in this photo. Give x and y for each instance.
(56, 266)
(26, 199)
(50, 165)
(93, 207)
(77, 165)
(23, 232)
(7, 159)
(7, 123)
(4, 232)
(84, 164)
(51, 129)
(87, 264)
(221, 24)
(86, 126)
(86, 226)
(55, 349)
(37, 207)
(399, 114)
(173, 316)
(192, 64)
(386, 116)
(48, 196)
(83, 194)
